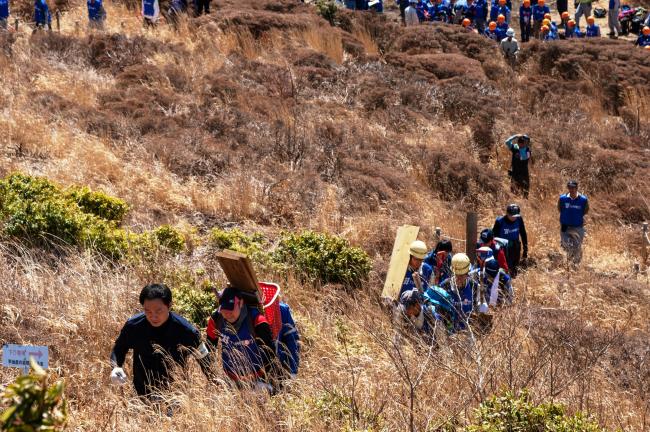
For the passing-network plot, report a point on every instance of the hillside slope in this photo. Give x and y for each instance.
(265, 117)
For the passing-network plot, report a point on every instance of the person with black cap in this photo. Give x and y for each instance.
(247, 347)
(487, 239)
(519, 146)
(573, 206)
(159, 339)
(416, 314)
(511, 227)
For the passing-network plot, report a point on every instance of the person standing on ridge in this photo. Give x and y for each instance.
(573, 207)
(525, 20)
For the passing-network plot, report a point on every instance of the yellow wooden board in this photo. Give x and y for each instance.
(239, 270)
(399, 260)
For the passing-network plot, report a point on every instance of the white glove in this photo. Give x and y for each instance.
(263, 387)
(293, 376)
(118, 376)
(483, 308)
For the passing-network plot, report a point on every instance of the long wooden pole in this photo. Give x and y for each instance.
(471, 235)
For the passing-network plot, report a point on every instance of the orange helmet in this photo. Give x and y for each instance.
(545, 28)
(547, 16)
(540, 2)
(646, 30)
(565, 15)
(501, 19)
(526, 3)
(571, 23)
(492, 25)
(502, 2)
(647, 47)
(466, 22)
(591, 20)
(546, 22)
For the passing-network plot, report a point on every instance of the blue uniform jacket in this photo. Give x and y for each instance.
(539, 12)
(4, 9)
(42, 13)
(525, 15)
(572, 211)
(500, 10)
(592, 31)
(511, 231)
(288, 347)
(643, 41)
(95, 10)
(425, 275)
(501, 31)
(492, 34)
(154, 349)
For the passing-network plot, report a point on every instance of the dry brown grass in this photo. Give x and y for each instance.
(272, 122)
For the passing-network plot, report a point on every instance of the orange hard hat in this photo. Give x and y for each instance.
(526, 3)
(492, 25)
(545, 28)
(646, 30)
(501, 18)
(466, 22)
(647, 47)
(502, 2)
(540, 2)
(565, 15)
(571, 23)
(547, 16)
(591, 20)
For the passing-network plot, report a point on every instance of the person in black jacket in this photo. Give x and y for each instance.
(160, 339)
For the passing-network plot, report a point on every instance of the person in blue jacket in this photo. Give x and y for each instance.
(480, 15)
(96, 14)
(572, 32)
(502, 28)
(497, 284)
(440, 12)
(418, 273)
(150, 12)
(288, 346)
(4, 14)
(500, 9)
(644, 38)
(159, 339)
(414, 313)
(592, 30)
(491, 31)
(539, 10)
(573, 207)
(462, 289)
(525, 20)
(511, 227)
(42, 17)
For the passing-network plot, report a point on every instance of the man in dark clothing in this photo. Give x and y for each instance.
(201, 6)
(519, 166)
(511, 227)
(159, 339)
(247, 347)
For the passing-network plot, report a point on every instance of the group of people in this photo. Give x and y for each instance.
(446, 289)
(150, 10)
(251, 355)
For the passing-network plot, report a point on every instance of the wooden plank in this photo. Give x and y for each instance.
(239, 270)
(471, 235)
(399, 260)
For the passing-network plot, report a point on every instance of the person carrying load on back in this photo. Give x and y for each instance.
(497, 284)
(487, 239)
(539, 10)
(592, 30)
(42, 16)
(644, 38)
(511, 227)
(525, 20)
(418, 273)
(462, 289)
(519, 146)
(440, 261)
(4, 14)
(510, 48)
(288, 347)
(415, 313)
(159, 339)
(573, 207)
(247, 346)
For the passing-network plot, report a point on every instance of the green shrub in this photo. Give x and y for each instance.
(322, 257)
(170, 239)
(327, 9)
(99, 204)
(510, 412)
(254, 245)
(193, 296)
(32, 404)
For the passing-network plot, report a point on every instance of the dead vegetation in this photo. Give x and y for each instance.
(263, 115)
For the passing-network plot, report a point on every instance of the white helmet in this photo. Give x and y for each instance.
(510, 32)
(418, 249)
(460, 264)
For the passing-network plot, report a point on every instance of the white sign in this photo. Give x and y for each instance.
(18, 356)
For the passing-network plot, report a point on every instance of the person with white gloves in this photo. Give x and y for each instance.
(159, 339)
